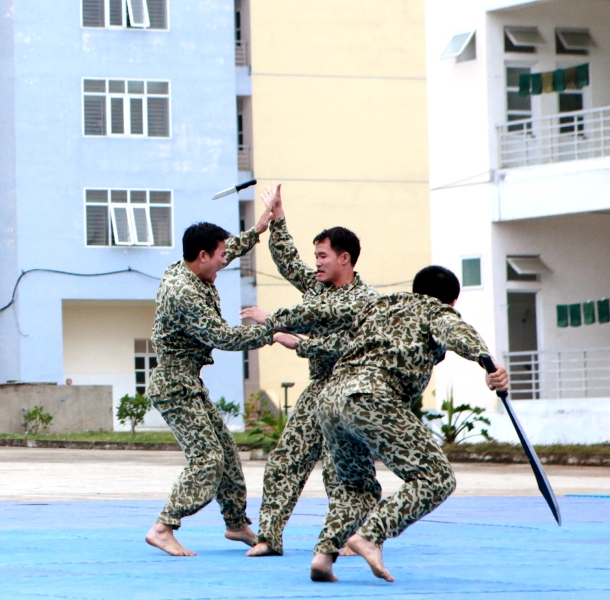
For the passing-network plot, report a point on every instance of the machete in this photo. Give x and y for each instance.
(235, 189)
(543, 483)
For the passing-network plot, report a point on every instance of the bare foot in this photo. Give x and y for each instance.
(347, 551)
(371, 554)
(245, 535)
(162, 536)
(322, 568)
(262, 549)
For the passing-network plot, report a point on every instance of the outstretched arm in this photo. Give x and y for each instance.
(319, 316)
(204, 324)
(281, 244)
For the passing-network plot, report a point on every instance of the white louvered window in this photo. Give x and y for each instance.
(126, 14)
(118, 107)
(128, 217)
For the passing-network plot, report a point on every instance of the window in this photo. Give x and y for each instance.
(145, 362)
(471, 272)
(462, 46)
(570, 101)
(572, 41)
(128, 217)
(126, 108)
(525, 268)
(132, 14)
(518, 107)
(522, 39)
(246, 362)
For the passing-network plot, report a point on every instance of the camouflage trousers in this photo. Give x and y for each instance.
(290, 465)
(213, 469)
(359, 428)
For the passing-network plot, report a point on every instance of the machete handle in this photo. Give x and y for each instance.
(245, 184)
(490, 367)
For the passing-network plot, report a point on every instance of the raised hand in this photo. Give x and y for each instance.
(272, 197)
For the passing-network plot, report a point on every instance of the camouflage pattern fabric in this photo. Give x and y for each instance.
(301, 446)
(364, 411)
(304, 278)
(188, 326)
(359, 428)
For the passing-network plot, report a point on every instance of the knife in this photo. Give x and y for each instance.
(235, 189)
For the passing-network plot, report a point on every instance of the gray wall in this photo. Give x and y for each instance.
(75, 408)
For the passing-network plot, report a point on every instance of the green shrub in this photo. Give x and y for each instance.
(34, 419)
(228, 410)
(264, 428)
(133, 409)
(458, 420)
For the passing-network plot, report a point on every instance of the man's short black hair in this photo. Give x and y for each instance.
(341, 240)
(437, 282)
(202, 236)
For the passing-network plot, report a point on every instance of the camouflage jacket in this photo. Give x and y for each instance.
(303, 277)
(188, 323)
(395, 342)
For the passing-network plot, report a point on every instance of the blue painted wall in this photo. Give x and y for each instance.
(52, 53)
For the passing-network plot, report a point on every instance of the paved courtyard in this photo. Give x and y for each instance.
(73, 523)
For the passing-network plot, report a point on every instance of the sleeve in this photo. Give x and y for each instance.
(203, 323)
(286, 257)
(451, 333)
(321, 316)
(239, 245)
(330, 346)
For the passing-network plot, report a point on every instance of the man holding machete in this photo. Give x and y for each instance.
(385, 359)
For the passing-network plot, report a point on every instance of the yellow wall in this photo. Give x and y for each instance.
(339, 116)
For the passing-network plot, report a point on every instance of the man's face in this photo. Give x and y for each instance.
(329, 265)
(214, 263)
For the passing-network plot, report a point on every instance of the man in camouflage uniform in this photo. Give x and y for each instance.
(188, 326)
(301, 445)
(364, 411)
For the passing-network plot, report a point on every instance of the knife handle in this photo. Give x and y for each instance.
(245, 184)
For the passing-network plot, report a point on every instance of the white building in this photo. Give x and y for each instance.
(520, 200)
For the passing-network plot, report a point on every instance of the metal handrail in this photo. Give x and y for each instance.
(563, 136)
(244, 158)
(553, 374)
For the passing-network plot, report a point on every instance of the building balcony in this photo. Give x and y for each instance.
(554, 165)
(563, 137)
(241, 54)
(561, 374)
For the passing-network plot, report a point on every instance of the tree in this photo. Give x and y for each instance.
(34, 419)
(228, 410)
(133, 409)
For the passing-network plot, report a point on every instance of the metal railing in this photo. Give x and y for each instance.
(241, 54)
(567, 136)
(549, 375)
(244, 158)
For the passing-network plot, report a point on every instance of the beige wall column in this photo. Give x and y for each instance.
(339, 116)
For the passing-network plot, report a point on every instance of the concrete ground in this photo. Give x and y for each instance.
(73, 524)
(36, 474)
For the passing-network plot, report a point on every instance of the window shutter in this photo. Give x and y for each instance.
(157, 11)
(115, 9)
(141, 220)
(95, 115)
(137, 115)
(93, 13)
(116, 115)
(161, 220)
(138, 13)
(158, 117)
(121, 226)
(97, 226)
